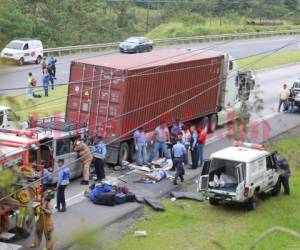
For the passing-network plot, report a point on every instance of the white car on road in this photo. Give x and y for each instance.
(23, 50)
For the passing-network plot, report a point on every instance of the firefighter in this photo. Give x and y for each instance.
(86, 158)
(44, 224)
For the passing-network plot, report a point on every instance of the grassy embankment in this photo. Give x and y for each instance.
(192, 225)
(189, 27)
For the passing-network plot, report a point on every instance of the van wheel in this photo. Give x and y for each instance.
(123, 153)
(38, 60)
(213, 202)
(213, 123)
(277, 188)
(252, 203)
(21, 61)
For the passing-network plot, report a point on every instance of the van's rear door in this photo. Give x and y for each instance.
(204, 177)
(241, 181)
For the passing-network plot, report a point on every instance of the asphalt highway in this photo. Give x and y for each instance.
(13, 76)
(82, 215)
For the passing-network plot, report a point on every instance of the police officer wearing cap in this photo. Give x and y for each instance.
(99, 153)
(179, 152)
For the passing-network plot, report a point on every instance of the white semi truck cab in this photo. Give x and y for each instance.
(239, 174)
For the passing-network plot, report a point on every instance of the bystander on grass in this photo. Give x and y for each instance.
(44, 106)
(276, 59)
(192, 225)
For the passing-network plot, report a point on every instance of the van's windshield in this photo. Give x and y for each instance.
(15, 45)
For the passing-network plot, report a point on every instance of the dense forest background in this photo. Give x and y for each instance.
(71, 22)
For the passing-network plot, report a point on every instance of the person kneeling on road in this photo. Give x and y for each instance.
(44, 224)
(99, 153)
(285, 175)
(179, 152)
(86, 158)
(62, 182)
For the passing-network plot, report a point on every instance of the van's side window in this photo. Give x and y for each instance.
(26, 46)
(270, 163)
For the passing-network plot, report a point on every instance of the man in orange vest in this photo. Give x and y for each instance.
(86, 158)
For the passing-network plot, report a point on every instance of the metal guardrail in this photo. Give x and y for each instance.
(169, 41)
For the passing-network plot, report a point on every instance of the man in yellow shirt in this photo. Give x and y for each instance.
(283, 97)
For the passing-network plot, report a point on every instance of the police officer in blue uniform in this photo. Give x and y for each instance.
(179, 152)
(99, 153)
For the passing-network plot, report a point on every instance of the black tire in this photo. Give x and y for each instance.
(21, 61)
(38, 60)
(213, 123)
(213, 202)
(252, 203)
(123, 153)
(132, 152)
(149, 48)
(277, 188)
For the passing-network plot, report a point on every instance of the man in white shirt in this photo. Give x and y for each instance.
(283, 97)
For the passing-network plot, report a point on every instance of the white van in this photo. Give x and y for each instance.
(239, 174)
(23, 50)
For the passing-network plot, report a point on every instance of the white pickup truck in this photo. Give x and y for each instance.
(239, 174)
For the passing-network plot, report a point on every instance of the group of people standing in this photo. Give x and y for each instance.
(180, 140)
(287, 99)
(49, 75)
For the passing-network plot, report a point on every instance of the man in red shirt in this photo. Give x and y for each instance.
(201, 143)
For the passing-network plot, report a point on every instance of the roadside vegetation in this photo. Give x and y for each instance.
(72, 22)
(276, 59)
(192, 225)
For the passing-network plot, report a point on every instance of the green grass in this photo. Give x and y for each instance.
(192, 225)
(189, 28)
(55, 103)
(276, 59)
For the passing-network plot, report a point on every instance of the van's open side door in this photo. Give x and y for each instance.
(204, 177)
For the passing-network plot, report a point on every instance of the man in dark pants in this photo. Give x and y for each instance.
(194, 147)
(285, 175)
(178, 152)
(62, 183)
(99, 153)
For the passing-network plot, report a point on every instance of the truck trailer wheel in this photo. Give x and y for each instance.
(123, 153)
(213, 123)
(132, 152)
(204, 123)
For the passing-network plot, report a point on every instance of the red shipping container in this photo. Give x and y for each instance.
(116, 94)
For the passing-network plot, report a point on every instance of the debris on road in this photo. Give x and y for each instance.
(139, 199)
(187, 195)
(155, 204)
